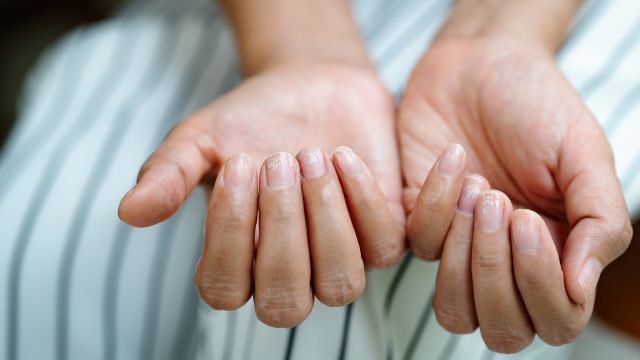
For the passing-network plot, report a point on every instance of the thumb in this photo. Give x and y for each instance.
(600, 225)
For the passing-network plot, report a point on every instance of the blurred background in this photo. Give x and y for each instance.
(29, 27)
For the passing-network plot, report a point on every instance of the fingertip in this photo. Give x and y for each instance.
(142, 206)
(493, 209)
(525, 231)
(347, 162)
(452, 161)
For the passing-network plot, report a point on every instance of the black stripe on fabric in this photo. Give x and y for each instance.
(290, 342)
(582, 25)
(52, 171)
(19, 157)
(449, 347)
(620, 52)
(424, 20)
(419, 330)
(188, 86)
(388, 302)
(348, 313)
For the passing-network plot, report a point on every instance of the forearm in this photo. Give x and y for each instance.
(535, 22)
(271, 32)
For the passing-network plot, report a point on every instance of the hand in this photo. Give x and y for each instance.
(284, 108)
(513, 273)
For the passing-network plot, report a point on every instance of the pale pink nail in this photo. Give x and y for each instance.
(239, 172)
(588, 277)
(311, 163)
(489, 214)
(281, 171)
(451, 160)
(527, 233)
(471, 189)
(348, 162)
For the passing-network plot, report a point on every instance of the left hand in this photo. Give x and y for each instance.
(513, 273)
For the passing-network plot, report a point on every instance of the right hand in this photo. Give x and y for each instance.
(352, 217)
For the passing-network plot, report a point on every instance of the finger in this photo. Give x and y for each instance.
(453, 300)
(282, 295)
(538, 272)
(596, 210)
(381, 238)
(436, 203)
(169, 175)
(337, 268)
(224, 271)
(504, 323)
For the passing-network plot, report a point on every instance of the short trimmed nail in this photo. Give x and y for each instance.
(280, 171)
(451, 160)
(311, 163)
(469, 195)
(527, 234)
(239, 172)
(490, 212)
(588, 277)
(348, 162)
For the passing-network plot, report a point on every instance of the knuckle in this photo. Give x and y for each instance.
(506, 340)
(625, 233)
(424, 249)
(564, 333)
(453, 319)
(488, 261)
(282, 307)
(384, 256)
(340, 287)
(220, 293)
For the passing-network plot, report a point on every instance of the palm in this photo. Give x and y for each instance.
(513, 115)
(288, 109)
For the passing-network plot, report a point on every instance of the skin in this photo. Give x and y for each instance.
(306, 93)
(491, 85)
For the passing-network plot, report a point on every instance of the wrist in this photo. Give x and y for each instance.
(282, 32)
(539, 24)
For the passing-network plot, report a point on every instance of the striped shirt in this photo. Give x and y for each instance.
(76, 283)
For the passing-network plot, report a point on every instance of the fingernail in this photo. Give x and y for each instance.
(239, 172)
(527, 234)
(348, 162)
(490, 212)
(311, 163)
(280, 171)
(588, 277)
(451, 160)
(470, 192)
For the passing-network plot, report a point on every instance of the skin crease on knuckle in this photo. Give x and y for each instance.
(279, 307)
(564, 333)
(507, 340)
(451, 318)
(220, 292)
(340, 287)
